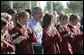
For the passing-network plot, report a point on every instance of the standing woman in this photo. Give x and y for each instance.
(64, 46)
(25, 36)
(49, 37)
(77, 40)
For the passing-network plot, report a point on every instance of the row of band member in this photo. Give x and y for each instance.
(27, 36)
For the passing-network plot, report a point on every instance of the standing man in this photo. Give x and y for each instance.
(34, 24)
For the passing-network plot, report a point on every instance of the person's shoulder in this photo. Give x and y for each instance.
(30, 22)
(30, 19)
(17, 27)
(70, 26)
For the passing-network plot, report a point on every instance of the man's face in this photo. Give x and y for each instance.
(39, 14)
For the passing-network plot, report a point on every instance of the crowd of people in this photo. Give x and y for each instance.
(33, 32)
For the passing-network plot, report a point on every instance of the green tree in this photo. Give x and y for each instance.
(57, 6)
(75, 6)
(22, 5)
(4, 6)
(17, 5)
(33, 4)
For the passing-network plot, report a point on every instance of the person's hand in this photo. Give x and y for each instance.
(29, 30)
(69, 35)
(35, 39)
(54, 31)
(66, 35)
(60, 30)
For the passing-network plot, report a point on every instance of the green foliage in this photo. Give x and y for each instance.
(75, 6)
(20, 5)
(4, 6)
(47, 8)
(33, 4)
(66, 10)
(17, 5)
(56, 6)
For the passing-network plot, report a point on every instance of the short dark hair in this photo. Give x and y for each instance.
(28, 10)
(73, 17)
(11, 11)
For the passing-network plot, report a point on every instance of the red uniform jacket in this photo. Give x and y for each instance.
(10, 27)
(64, 46)
(49, 42)
(25, 46)
(76, 41)
(6, 48)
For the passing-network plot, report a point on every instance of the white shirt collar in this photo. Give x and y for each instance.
(73, 25)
